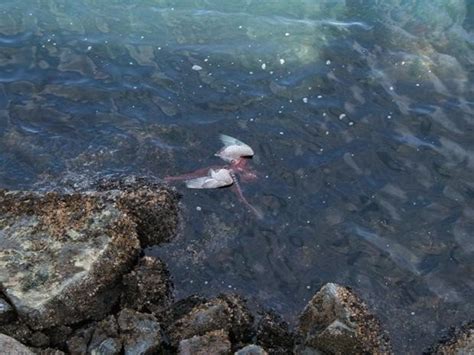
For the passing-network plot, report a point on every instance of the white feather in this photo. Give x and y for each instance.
(214, 180)
(233, 149)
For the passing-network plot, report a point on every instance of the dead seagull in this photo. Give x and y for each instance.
(236, 154)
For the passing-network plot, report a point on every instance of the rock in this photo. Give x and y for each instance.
(48, 351)
(211, 343)
(252, 350)
(140, 332)
(147, 288)
(62, 256)
(7, 314)
(153, 207)
(274, 335)
(18, 330)
(9, 345)
(336, 321)
(105, 337)
(457, 341)
(128, 332)
(226, 312)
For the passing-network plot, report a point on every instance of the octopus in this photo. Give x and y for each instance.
(237, 156)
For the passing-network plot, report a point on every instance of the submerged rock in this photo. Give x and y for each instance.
(147, 288)
(274, 334)
(457, 341)
(336, 321)
(211, 343)
(62, 256)
(9, 345)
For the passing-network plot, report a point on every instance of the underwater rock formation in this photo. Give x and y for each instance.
(336, 321)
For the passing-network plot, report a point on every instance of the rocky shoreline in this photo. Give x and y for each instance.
(74, 280)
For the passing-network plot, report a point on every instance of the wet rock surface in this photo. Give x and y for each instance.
(226, 312)
(7, 314)
(251, 350)
(9, 345)
(336, 321)
(62, 255)
(148, 288)
(73, 282)
(211, 343)
(456, 341)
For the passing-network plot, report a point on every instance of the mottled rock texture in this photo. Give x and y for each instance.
(211, 343)
(62, 256)
(9, 345)
(129, 332)
(336, 321)
(459, 341)
(147, 288)
(226, 312)
(252, 350)
(274, 335)
(7, 314)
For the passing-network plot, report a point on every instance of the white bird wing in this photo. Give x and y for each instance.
(228, 140)
(214, 180)
(233, 149)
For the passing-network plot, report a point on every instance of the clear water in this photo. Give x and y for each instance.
(360, 114)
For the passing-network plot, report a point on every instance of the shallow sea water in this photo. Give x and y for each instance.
(361, 115)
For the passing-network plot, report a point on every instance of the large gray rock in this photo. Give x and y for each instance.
(227, 312)
(459, 341)
(62, 256)
(9, 345)
(274, 334)
(336, 321)
(211, 343)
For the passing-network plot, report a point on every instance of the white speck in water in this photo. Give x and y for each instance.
(266, 176)
(403, 63)
(159, 48)
(328, 62)
(198, 208)
(389, 116)
(206, 59)
(282, 61)
(287, 34)
(412, 313)
(320, 96)
(142, 37)
(196, 67)
(327, 133)
(251, 72)
(135, 88)
(229, 286)
(282, 133)
(206, 282)
(391, 88)
(342, 115)
(324, 114)
(305, 100)
(351, 123)
(308, 287)
(280, 111)
(308, 222)
(89, 48)
(264, 66)
(131, 63)
(417, 84)
(240, 27)
(252, 119)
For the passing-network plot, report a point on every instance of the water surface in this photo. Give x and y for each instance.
(360, 114)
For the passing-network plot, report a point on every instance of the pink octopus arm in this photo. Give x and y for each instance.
(237, 189)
